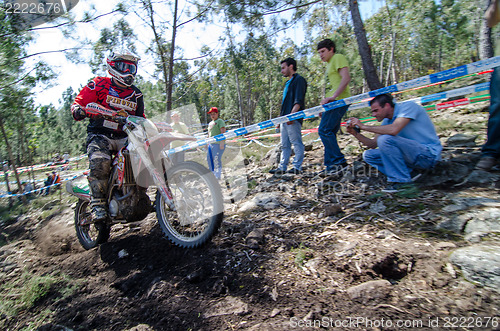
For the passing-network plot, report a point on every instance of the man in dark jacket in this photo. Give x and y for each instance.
(292, 102)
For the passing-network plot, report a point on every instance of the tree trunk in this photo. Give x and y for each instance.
(364, 49)
(161, 52)
(381, 68)
(391, 59)
(11, 159)
(237, 78)
(485, 44)
(171, 60)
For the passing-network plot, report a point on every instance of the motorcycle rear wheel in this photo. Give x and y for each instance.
(198, 202)
(93, 234)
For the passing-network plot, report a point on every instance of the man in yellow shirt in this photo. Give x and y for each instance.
(338, 74)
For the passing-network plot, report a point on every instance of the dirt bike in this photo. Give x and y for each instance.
(188, 204)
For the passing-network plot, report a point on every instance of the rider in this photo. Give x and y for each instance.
(105, 137)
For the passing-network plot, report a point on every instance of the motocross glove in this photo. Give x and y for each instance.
(78, 112)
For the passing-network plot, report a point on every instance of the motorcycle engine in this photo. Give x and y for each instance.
(132, 207)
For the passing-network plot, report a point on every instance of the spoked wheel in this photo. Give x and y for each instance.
(89, 234)
(198, 205)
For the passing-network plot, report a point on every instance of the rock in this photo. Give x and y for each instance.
(485, 221)
(122, 254)
(447, 172)
(267, 200)
(255, 238)
(461, 140)
(371, 290)
(228, 306)
(444, 245)
(332, 209)
(141, 327)
(275, 312)
(385, 234)
(247, 207)
(479, 263)
(313, 265)
(272, 158)
(195, 277)
(454, 224)
(483, 178)
(377, 207)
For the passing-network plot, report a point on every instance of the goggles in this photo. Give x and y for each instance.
(125, 67)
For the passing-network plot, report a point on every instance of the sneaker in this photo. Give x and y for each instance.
(276, 171)
(294, 171)
(334, 170)
(99, 213)
(393, 187)
(486, 163)
(279, 172)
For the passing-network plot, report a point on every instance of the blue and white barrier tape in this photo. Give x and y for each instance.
(438, 96)
(41, 188)
(417, 82)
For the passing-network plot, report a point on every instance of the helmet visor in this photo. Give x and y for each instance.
(126, 67)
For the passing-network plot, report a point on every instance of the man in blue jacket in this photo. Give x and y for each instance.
(292, 102)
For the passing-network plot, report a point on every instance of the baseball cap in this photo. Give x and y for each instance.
(213, 110)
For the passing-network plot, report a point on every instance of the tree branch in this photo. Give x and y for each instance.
(199, 15)
(63, 24)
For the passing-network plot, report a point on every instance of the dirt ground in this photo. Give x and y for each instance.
(314, 260)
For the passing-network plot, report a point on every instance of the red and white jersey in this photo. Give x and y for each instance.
(105, 92)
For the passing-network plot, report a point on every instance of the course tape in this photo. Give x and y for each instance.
(438, 96)
(417, 82)
(43, 188)
(49, 165)
(428, 98)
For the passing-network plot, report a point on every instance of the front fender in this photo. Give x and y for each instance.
(162, 141)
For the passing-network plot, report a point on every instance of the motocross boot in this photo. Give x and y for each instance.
(99, 211)
(98, 200)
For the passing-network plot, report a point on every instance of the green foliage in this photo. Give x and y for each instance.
(302, 254)
(30, 289)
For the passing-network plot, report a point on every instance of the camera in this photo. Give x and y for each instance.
(356, 128)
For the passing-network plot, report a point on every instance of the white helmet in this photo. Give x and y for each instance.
(122, 65)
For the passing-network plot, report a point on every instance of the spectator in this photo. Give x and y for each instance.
(490, 152)
(215, 150)
(292, 102)
(338, 74)
(56, 179)
(28, 187)
(48, 181)
(406, 140)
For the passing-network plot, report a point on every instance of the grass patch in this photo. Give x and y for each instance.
(252, 184)
(302, 254)
(28, 290)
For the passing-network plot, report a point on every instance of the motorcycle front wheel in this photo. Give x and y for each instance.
(198, 204)
(89, 234)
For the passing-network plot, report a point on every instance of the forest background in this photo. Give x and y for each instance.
(404, 39)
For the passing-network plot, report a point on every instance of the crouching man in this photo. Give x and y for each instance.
(405, 140)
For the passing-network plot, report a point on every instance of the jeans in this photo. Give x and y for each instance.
(492, 145)
(291, 135)
(214, 159)
(396, 157)
(328, 128)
